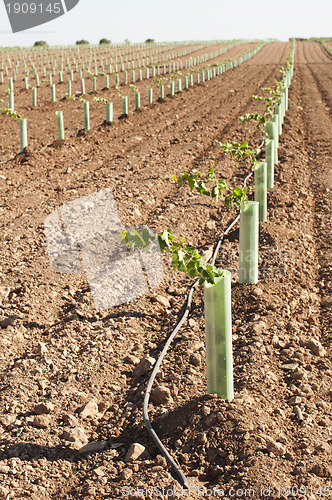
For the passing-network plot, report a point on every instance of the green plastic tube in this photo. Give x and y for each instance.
(53, 92)
(162, 92)
(269, 151)
(107, 81)
(86, 108)
(261, 189)
(11, 104)
(281, 109)
(275, 119)
(278, 113)
(34, 96)
(270, 129)
(218, 337)
(125, 105)
(82, 86)
(248, 236)
(94, 83)
(26, 82)
(69, 87)
(186, 82)
(23, 134)
(60, 77)
(283, 103)
(61, 130)
(150, 95)
(172, 88)
(109, 112)
(137, 100)
(179, 85)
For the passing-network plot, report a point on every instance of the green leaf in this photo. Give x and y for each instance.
(181, 255)
(148, 235)
(165, 239)
(211, 174)
(192, 272)
(202, 189)
(192, 183)
(215, 192)
(135, 239)
(222, 184)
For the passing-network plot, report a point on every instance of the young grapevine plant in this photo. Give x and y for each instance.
(239, 151)
(10, 112)
(233, 199)
(271, 100)
(184, 257)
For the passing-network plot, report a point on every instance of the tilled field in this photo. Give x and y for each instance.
(58, 354)
(42, 117)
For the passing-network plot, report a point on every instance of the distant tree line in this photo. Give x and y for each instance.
(102, 41)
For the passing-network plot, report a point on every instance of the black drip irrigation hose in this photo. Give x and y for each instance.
(177, 470)
(175, 467)
(37, 151)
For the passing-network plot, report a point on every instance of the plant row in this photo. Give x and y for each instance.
(168, 86)
(129, 77)
(111, 63)
(322, 41)
(186, 258)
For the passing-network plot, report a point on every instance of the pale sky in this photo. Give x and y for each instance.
(177, 20)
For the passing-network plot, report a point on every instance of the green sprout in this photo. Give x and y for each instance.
(185, 257)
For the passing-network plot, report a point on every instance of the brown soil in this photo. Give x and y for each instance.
(43, 117)
(57, 350)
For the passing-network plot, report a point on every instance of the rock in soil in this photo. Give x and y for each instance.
(137, 451)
